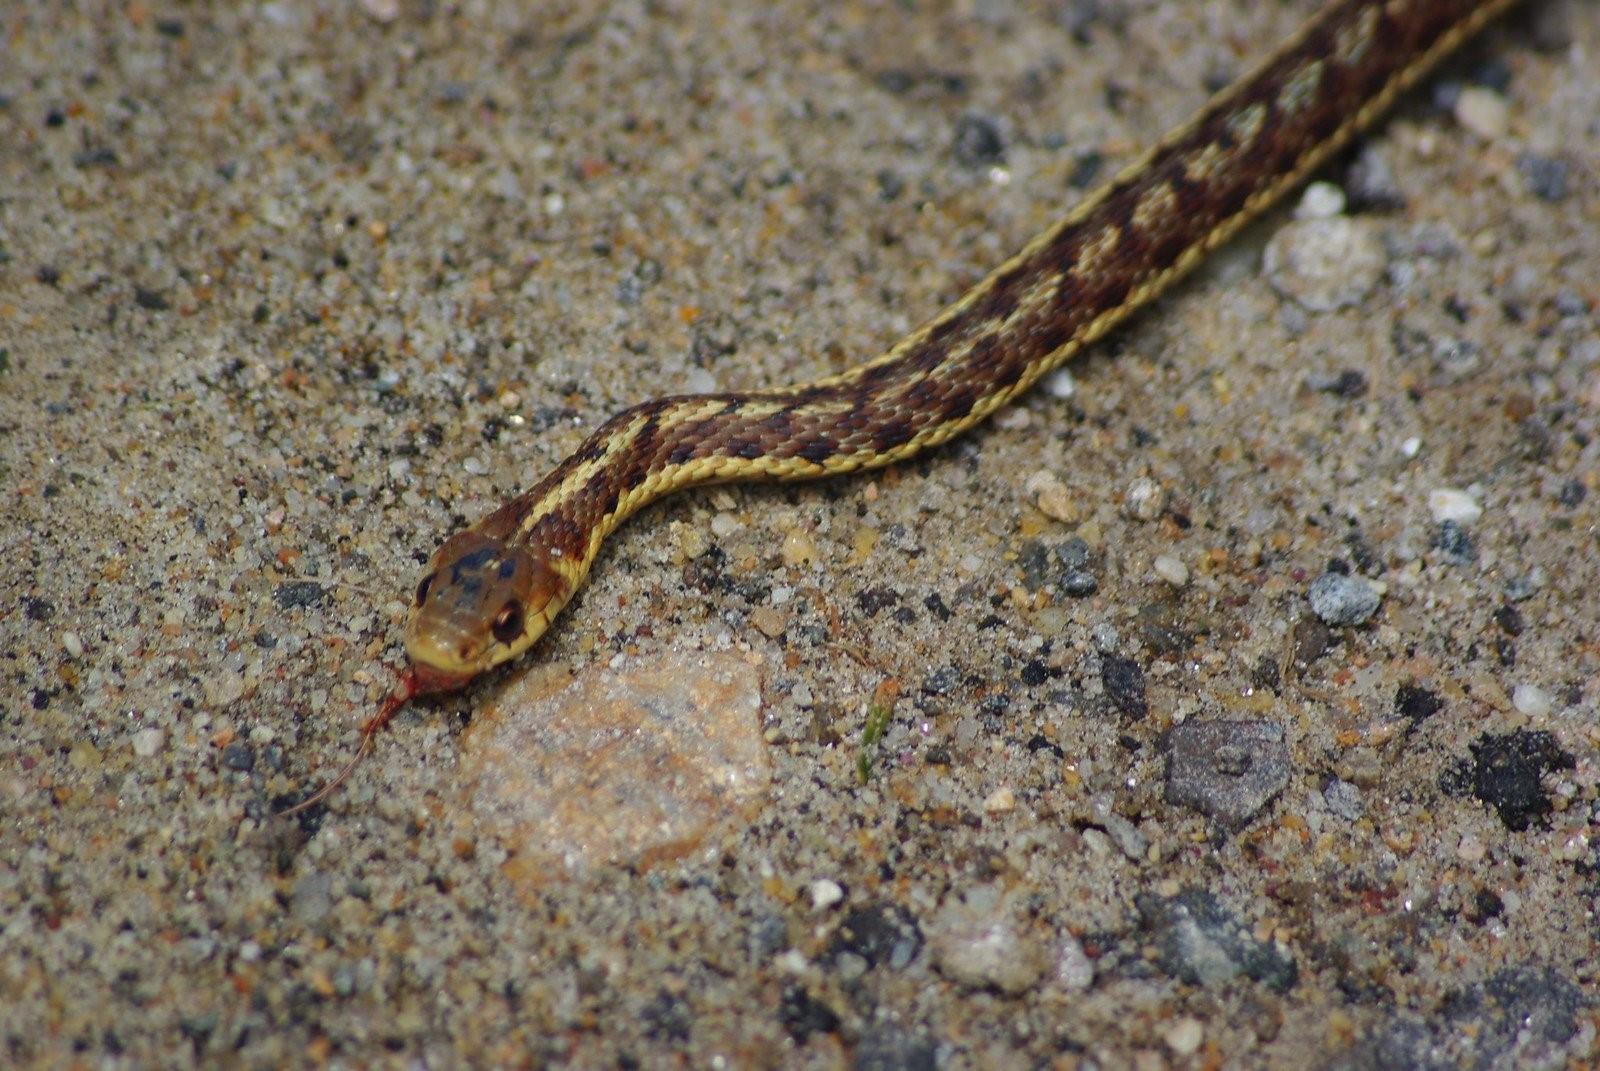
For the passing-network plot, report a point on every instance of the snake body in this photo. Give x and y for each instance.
(491, 590)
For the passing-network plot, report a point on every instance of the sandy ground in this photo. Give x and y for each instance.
(289, 290)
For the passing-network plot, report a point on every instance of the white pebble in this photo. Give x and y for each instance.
(1184, 1036)
(1411, 447)
(1483, 111)
(1322, 200)
(1074, 968)
(72, 643)
(146, 742)
(1532, 700)
(1144, 500)
(724, 525)
(825, 893)
(1001, 801)
(1471, 849)
(1325, 264)
(1450, 504)
(1171, 570)
(1060, 384)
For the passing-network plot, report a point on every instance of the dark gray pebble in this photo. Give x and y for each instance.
(1200, 942)
(1226, 770)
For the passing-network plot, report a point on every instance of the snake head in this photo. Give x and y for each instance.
(481, 602)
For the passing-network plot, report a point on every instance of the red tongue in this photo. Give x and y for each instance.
(413, 682)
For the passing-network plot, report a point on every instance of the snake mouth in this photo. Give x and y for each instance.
(430, 680)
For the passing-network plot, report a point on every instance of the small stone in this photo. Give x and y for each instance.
(978, 142)
(1506, 772)
(1227, 770)
(1370, 182)
(1184, 1036)
(798, 548)
(238, 756)
(1451, 504)
(724, 524)
(1531, 700)
(1483, 111)
(1342, 799)
(1546, 176)
(312, 897)
(878, 935)
(298, 594)
(769, 622)
(146, 742)
(1144, 500)
(977, 943)
(1455, 543)
(1079, 583)
(1061, 384)
(1322, 200)
(84, 756)
(1325, 264)
(1055, 499)
(1342, 601)
(1171, 570)
(1074, 968)
(72, 644)
(824, 893)
(1001, 801)
(1200, 942)
(1123, 681)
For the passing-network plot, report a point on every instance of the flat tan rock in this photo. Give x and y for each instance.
(631, 766)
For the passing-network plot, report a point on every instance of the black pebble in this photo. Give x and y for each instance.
(978, 142)
(1124, 685)
(1506, 771)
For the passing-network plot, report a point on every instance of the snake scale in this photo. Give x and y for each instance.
(491, 590)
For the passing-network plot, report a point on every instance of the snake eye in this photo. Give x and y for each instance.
(507, 624)
(422, 589)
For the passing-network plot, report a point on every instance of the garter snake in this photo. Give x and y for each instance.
(490, 591)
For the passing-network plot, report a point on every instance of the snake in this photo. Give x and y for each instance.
(490, 591)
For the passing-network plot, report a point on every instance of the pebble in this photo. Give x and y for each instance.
(824, 893)
(1074, 968)
(1545, 176)
(1001, 801)
(1200, 942)
(146, 742)
(1342, 601)
(1184, 1036)
(1144, 500)
(1452, 504)
(1322, 200)
(1342, 799)
(1226, 770)
(1371, 182)
(1325, 264)
(1061, 384)
(724, 524)
(1532, 700)
(1171, 570)
(1483, 111)
(976, 943)
(617, 766)
(1055, 499)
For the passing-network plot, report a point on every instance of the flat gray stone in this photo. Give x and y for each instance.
(1226, 770)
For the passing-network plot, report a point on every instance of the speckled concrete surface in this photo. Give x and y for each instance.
(287, 291)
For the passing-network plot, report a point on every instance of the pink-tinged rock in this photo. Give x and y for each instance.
(627, 766)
